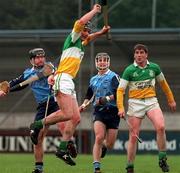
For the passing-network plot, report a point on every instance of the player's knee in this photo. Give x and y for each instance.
(161, 129)
(110, 144)
(132, 138)
(99, 139)
(66, 114)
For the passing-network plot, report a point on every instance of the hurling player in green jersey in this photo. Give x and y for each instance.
(140, 77)
(64, 87)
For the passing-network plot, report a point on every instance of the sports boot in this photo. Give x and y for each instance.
(97, 171)
(72, 149)
(104, 151)
(65, 156)
(163, 164)
(130, 169)
(37, 171)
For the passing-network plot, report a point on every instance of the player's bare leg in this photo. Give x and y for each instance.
(38, 151)
(109, 141)
(157, 118)
(111, 135)
(67, 103)
(71, 125)
(69, 129)
(65, 113)
(100, 132)
(132, 143)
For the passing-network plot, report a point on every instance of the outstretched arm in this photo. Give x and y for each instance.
(15, 82)
(6, 87)
(97, 34)
(79, 24)
(88, 16)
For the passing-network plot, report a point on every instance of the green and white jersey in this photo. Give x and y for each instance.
(73, 52)
(141, 81)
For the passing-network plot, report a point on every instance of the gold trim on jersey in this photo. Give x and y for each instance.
(69, 65)
(142, 93)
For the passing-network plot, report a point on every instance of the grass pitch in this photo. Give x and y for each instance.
(24, 163)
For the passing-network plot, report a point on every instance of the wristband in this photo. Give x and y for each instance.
(108, 98)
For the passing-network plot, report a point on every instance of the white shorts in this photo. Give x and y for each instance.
(64, 84)
(140, 107)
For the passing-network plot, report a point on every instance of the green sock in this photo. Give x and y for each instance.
(63, 145)
(162, 154)
(130, 165)
(38, 124)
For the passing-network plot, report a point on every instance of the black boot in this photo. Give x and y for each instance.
(130, 169)
(37, 171)
(65, 156)
(163, 164)
(72, 149)
(104, 151)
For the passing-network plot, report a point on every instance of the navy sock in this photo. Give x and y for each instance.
(97, 165)
(39, 165)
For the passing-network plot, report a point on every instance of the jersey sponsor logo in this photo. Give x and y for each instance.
(144, 84)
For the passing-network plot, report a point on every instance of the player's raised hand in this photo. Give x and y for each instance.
(97, 8)
(105, 29)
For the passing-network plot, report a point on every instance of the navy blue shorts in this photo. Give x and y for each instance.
(41, 109)
(108, 116)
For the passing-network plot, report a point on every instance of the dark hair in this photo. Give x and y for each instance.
(36, 52)
(141, 46)
(88, 26)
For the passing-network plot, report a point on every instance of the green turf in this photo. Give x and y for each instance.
(23, 163)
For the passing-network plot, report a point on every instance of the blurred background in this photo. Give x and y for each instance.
(26, 24)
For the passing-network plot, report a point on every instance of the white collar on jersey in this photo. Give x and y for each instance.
(135, 64)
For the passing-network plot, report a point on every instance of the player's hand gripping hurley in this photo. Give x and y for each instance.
(84, 106)
(131, 129)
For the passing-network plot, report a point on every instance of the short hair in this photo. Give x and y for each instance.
(141, 46)
(88, 26)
